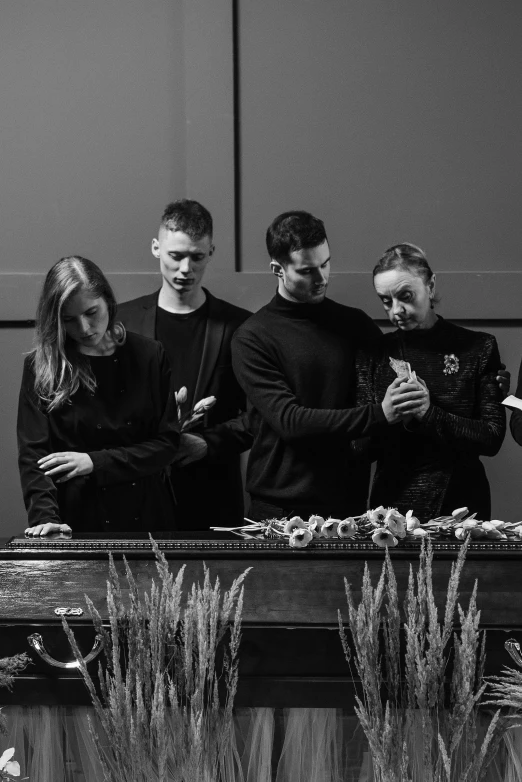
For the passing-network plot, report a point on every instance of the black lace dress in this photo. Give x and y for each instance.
(433, 466)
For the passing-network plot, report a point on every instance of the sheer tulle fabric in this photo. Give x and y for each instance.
(54, 744)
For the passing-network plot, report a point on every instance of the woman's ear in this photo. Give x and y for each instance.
(431, 287)
(154, 248)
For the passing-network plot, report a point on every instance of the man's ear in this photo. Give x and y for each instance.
(154, 248)
(432, 286)
(211, 251)
(276, 267)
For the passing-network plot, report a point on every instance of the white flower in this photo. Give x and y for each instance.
(300, 538)
(497, 523)
(294, 523)
(377, 515)
(347, 528)
(459, 513)
(517, 531)
(419, 532)
(330, 527)
(460, 533)
(204, 404)
(469, 524)
(491, 532)
(395, 522)
(315, 525)
(412, 522)
(9, 766)
(382, 537)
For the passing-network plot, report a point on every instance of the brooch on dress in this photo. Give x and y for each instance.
(451, 364)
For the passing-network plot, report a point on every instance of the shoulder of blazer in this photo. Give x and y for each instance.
(133, 306)
(219, 309)
(140, 348)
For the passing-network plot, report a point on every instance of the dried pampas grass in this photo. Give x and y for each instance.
(159, 708)
(420, 692)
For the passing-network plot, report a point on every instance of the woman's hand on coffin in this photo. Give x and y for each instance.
(402, 399)
(192, 448)
(66, 465)
(41, 530)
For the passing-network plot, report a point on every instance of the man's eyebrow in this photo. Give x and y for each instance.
(307, 268)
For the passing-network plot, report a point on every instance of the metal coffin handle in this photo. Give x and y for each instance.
(36, 642)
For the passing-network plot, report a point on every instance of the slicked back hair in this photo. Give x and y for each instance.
(293, 231)
(404, 256)
(188, 216)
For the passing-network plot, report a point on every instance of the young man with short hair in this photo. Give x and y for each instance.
(196, 329)
(295, 360)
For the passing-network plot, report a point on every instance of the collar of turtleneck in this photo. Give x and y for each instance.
(295, 310)
(418, 335)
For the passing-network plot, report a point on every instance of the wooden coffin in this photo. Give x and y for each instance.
(290, 654)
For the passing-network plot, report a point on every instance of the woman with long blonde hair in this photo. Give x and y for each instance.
(97, 425)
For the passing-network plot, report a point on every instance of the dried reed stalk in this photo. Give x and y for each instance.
(420, 722)
(159, 710)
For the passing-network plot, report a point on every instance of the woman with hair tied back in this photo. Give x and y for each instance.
(430, 460)
(97, 423)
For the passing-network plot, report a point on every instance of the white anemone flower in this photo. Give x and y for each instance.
(315, 525)
(295, 522)
(9, 766)
(330, 527)
(300, 538)
(395, 522)
(347, 528)
(383, 537)
(377, 515)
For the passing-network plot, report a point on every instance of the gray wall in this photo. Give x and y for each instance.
(391, 121)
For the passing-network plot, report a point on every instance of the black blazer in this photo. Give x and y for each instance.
(129, 430)
(210, 491)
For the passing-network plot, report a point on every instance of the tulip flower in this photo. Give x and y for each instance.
(461, 533)
(412, 522)
(419, 532)
(460, 513)
(7, 765)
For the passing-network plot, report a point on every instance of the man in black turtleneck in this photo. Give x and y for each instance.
(295, 360)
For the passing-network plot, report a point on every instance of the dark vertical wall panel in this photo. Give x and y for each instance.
(392, 120)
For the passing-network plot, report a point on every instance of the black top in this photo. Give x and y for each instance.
(210, 491)
(296, 364)
(433, 466)
(515, 423)
(183, 337)
(128, 426)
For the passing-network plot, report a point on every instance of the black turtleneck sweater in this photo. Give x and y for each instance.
(433, 466)
(296, 364)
